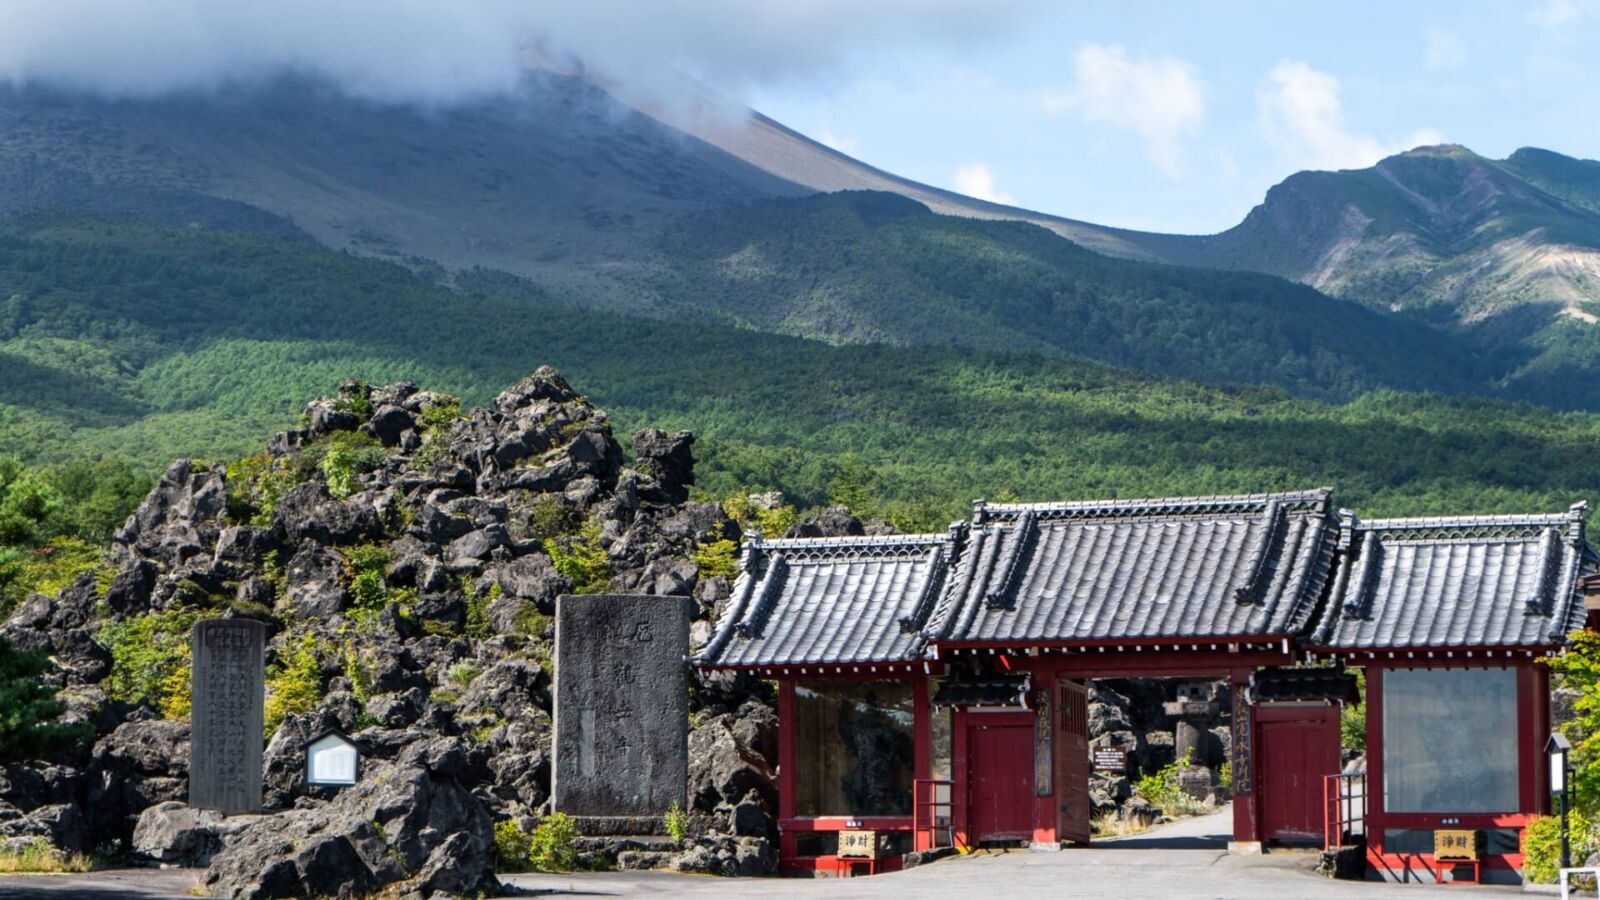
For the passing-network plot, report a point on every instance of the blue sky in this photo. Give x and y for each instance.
(1178, 116)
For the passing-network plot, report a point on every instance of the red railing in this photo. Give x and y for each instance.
(1344, 804)
(931, 822)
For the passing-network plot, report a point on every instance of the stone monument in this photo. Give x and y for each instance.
(226, 698)
(622, 704)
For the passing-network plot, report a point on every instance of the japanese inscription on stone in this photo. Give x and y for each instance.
(622, 704)
(226, 699)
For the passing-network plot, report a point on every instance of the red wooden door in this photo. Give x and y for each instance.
(1072, 765)
(1298, 746)
(1000, 778)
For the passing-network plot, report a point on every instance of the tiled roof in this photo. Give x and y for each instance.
(1481, 581)
(1187, 567)
(830, 600)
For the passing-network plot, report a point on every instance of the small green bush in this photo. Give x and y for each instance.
(582, 560)
(150, 660)
(343, 457)
(1161, 788)
(368, 567)
(27, 708)
(772, 522)
(719, 557)
(462, 674)
(1541, 845)
(295, 684)
(550, 517)
(551, 847)
(676, 822)
(1353, 718)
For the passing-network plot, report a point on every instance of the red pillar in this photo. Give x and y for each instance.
(922, 756)
(1246, 780)
(786, 772)
(1375, 814)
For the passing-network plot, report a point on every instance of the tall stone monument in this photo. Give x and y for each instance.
(226, 698)
(622, 704)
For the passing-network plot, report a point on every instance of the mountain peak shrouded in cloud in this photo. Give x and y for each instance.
(440, 51)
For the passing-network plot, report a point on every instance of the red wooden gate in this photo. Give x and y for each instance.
(1000, 777)
(1072, 765)
(1298, 746)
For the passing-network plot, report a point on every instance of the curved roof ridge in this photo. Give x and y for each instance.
(1295, 501)
(856, 541)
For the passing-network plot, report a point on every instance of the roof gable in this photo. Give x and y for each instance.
(1183, 567)
(1470, 581)
(846, 600)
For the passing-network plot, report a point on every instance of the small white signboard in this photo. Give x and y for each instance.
(332, 759)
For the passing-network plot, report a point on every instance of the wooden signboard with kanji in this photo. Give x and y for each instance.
(858, 844)
(1450, 844)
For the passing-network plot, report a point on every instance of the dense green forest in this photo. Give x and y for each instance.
(134, 344)
(869, 267)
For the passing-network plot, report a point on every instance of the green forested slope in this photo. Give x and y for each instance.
(141, 344)
(875, 267)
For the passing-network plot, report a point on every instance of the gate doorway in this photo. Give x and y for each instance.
(999, 776)
(1299, 746)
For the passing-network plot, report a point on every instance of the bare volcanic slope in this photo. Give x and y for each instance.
(557, 178)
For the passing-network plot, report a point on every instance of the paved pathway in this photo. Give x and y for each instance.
(1187, 860)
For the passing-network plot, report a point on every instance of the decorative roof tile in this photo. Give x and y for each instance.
(1468, 581)
(1181, 567)
(814, 601)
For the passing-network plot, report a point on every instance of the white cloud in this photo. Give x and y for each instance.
(976, 179)
(1445, 49)
(1161, 98)
(842, 143)
(1300, 113)
(1556, 13)
(439, 50)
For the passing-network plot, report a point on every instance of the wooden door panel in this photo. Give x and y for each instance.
(1000, 757)
(1073, 808)
(1298, 747)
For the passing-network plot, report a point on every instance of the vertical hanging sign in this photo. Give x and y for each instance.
(1043, 744)
(1240, 731)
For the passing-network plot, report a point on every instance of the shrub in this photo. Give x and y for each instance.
(294, 685)
(1161, 788)
(27, 706)
(550, 517)
(256, 484)
(1541, 845)
(46, 569)
(150, 660)
(343, 457)
(368, 566)
(770, 521)
(358, 671)
(511, 847)
(551, 847)
(462, 674)
(676, 822)
(719, 557)
(1353, 718)
(582, 560)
